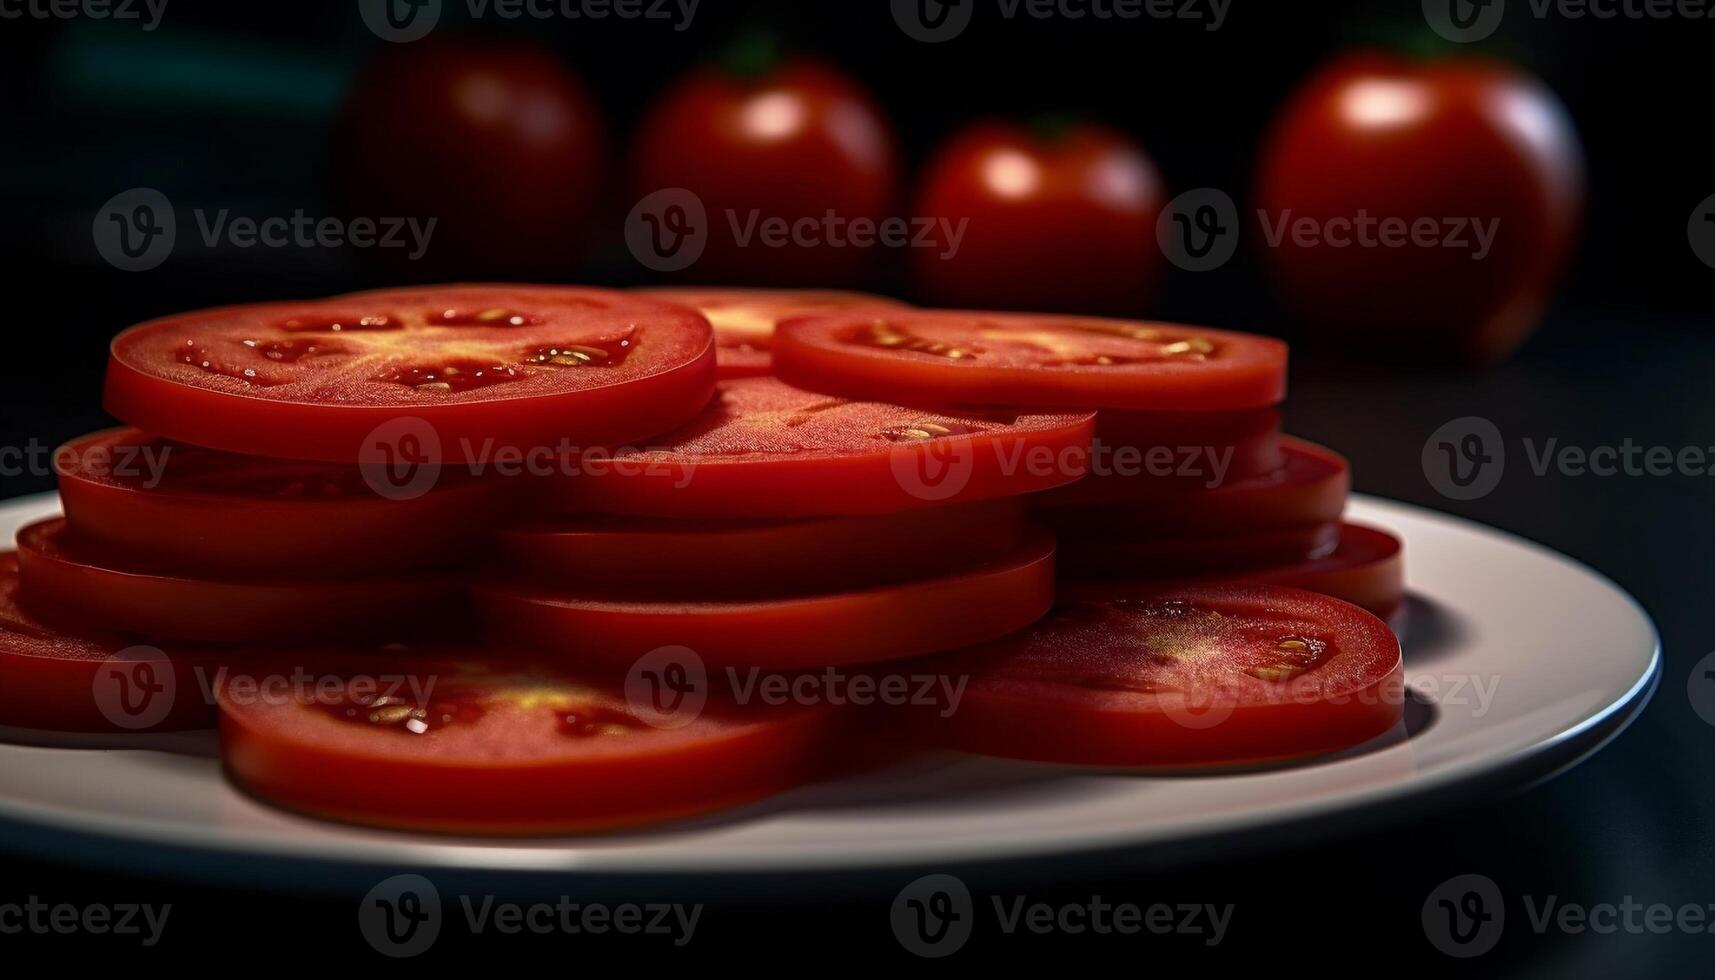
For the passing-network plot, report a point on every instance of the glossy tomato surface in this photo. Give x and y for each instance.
(744, 319)
(713, 559)
(1206, 449)
(496, 141)
(764, 449)
(1146, 675)
(420, 376)
(1060, 217)
(980, 358)
(212, 511)
(885, 622)
(73, 585)
(487, 743)
(87, 681)
(1446, 151)
(788, 144)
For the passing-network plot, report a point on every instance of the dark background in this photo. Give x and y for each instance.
(231, 105)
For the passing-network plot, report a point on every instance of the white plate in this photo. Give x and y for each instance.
(1522, 661)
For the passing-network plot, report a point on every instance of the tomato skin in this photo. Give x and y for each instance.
(744, 319)
(1435, 140)
(1366, 568)
(497, 140)
(1063, 221)
(862, 626)
(66, 583)
(792, 144)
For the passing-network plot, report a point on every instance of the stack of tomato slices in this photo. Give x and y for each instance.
(437, 557)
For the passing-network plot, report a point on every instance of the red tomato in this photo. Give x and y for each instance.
(67, 583)
(57, 681)
(1180, 558)
(1365, 569)
(497, 142)
(886, 622)
(977, 358)
(473, 367)
(140, 495)
(764, 449)
(744, 319)
(1422, 141)
(755, 559)
(1204, 448)
(797, 143)
(1130, 675)
(485, 743)
(1062, 219)
(1310, 488)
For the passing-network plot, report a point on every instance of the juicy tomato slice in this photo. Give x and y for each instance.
(1099, 555)
(941, 357)
(1310, 488)
(881, 623)
(1149, 675)
(139, 495)
(1366, 568)
(68, 582)
(765, 449)
(460, 370)
(1204, 448)
(54, 680)
(483, 741)
(761, 559)
(744, 319)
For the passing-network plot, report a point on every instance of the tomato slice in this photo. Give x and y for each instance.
(480, 367)
(1203, 448)
(761, 559)
(765, 449)
(744, 319)
(1179, 558)
(139, 495)
(1139, 675)
(1366, 568)
(69, 583)
(483, 741)
(53, 680)
(882, 623)
(942, 357)
(1311, 488)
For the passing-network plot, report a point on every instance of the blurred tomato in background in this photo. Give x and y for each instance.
(1475, 147)
(496, 139)
(1057, 217)
(762, 141)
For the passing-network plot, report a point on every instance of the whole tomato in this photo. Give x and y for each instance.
(1467, 176)
(497, 141)
(1060, 218)
(790, 163)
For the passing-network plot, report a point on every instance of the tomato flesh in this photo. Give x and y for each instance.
(940, 357)
(1141, 675)
(744, 319)
(765, 449)
(480, 366)
(66, 582)
(482, 741)
(882, 623)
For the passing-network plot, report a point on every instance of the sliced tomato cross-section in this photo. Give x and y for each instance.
(940, 357)
(744, 319)
(1151, 675)
(765, 449)
(472, 367)
(1366, 568)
